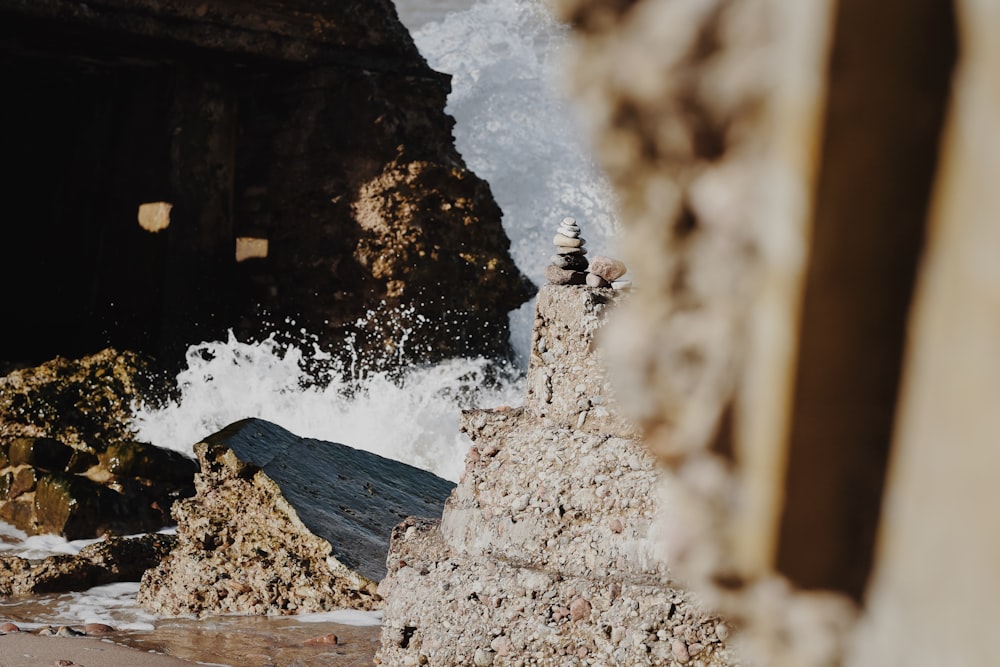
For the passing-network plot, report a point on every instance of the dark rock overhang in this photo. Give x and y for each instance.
(254, 127)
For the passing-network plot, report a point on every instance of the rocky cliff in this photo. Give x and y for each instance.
(546, 552)
(240, 165)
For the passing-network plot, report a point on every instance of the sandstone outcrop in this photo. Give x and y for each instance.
(237, 166)
(546, 553)
(69, 463)
(283, 525)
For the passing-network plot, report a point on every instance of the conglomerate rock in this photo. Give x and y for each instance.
(547, 551)
(283, 525)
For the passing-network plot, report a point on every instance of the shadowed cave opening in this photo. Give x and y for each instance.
(90, 135)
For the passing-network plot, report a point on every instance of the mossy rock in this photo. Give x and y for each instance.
(77, 508)
(25, 480)
(43, 453)
(140, 459)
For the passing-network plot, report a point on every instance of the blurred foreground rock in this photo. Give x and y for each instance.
(69, 463)
(809, 202)
(546, 553)
(283, 525)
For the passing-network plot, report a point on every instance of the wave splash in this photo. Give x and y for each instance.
(410, 416)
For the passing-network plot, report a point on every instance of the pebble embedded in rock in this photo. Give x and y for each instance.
(579, 609)
(483, 657)
(520, 503)
(322, 640)
(607, 268)
(680, 651)
(501, 645)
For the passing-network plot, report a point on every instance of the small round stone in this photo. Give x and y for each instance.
(607, 268)
(483, 657)
(594, 280)
(558, 276)
(501, 645)
(680, 651)
(9, 627)
(571, 251)
(570, 232)
(569, 221)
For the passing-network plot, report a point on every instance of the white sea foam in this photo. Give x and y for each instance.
(412, 417)
(516, 128)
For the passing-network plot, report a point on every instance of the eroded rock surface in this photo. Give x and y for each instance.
(306, 167)
(546, 553)
(282, 524)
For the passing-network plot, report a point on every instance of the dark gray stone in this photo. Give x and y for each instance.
(348, 497)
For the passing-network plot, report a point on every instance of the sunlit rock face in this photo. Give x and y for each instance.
(236, 168)
(547, 551)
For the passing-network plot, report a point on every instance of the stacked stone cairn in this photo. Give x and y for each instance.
(569, 266)
(546, 554)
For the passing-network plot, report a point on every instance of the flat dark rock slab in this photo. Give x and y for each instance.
(349, 497)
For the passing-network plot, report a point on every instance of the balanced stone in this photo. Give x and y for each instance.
(567, 242)
(575, 262)
(568, 265)
(595, 280)
(607, 268)
(558, 276)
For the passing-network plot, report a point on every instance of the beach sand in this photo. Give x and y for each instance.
(22, 649)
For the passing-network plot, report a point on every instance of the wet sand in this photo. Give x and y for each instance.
(231, 641)
(21, 649)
